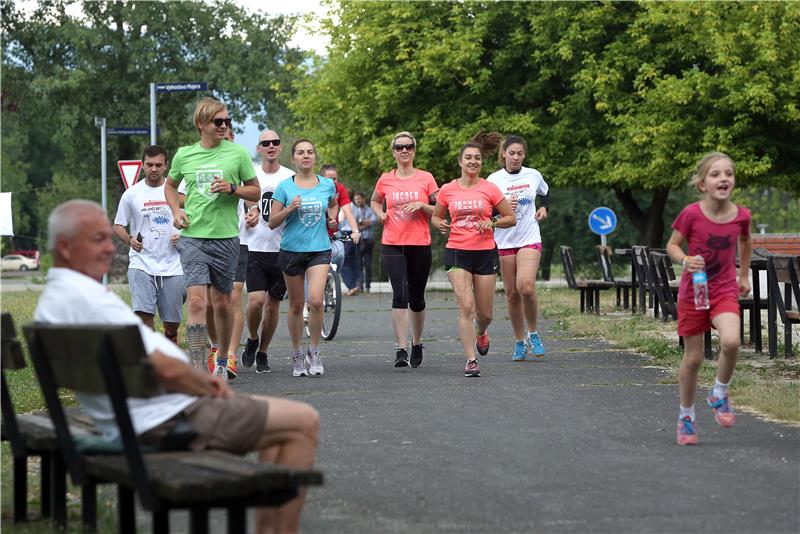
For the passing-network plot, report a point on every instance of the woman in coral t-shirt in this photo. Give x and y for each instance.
(409, 195)
(470, 252)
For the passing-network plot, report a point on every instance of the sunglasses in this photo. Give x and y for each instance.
(400, 148)
(266, 142)
(219, 122)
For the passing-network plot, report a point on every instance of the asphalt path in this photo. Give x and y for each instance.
(582, 440)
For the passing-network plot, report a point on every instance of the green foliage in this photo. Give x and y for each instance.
(780, 211)
(60, 70)
(620, 97)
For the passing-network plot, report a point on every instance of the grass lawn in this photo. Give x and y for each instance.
(770, 388)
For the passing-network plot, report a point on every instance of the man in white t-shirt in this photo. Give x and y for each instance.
(144, 222)
(279, 430)
(265, 282)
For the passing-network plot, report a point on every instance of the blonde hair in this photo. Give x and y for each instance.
(703, 166)
(205, 110)
(402, 134)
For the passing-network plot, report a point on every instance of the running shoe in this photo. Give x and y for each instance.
(212, 360)
(519, 352)
(723, 413)
(220, 371)
(416, 355)
(231, 366)
(314, 363)
(262, 363)
(249, 352)
(298, 365)
(535, 344)
(472, 369)
(401, 358)
(686, 433)
(482, 343)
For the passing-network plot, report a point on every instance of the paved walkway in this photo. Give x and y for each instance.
(581, 441)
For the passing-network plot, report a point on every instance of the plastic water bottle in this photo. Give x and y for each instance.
(700, 285)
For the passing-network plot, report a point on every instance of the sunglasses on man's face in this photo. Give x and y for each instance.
(400, 148)
(266, 142)
(219, 122)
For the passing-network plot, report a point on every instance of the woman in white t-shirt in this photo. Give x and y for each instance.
(520, 247)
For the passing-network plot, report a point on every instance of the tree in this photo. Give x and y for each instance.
(61, 70)
(623, 97)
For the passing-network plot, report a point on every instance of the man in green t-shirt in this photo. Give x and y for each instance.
(218, 173)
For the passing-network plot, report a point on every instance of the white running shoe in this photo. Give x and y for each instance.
(299, 366)
(221, 372)
(314, 363)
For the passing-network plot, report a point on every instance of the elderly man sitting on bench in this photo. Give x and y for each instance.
(282, 431)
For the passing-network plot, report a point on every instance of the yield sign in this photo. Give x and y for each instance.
(129, 169)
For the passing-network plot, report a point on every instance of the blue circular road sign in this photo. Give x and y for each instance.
(602, 221)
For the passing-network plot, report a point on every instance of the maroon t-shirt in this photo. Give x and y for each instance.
(343, 200)
(716, 243)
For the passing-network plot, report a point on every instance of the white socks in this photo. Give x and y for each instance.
(720, 390)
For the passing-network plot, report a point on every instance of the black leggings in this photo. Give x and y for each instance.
(408, 267)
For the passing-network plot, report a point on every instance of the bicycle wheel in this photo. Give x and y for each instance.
(331, 305)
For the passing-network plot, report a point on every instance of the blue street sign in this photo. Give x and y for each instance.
(176, 87)
(602, 221)
(129, 130)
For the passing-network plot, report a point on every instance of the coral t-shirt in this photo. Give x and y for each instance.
(467, 207)
(716, 243)
(406, 228)
(342, 199)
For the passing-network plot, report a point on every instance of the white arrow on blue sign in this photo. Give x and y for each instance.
(602, 221)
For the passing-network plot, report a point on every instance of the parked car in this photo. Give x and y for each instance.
(17, 262)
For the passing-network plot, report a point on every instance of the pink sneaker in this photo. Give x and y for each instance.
(686, 433)
(482, 343)
(723, 413)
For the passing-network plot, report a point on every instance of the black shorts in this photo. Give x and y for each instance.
(295, 263)
(241, 267)
(473, 261)
(263, 274)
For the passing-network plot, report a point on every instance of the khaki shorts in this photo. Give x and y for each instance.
(233, 425)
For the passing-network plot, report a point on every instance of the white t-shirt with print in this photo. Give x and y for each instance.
(524, 185)
(144, 210)
(72, 298)
(260, 238)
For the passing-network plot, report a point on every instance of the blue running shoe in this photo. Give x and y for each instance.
(535, 344)
(520, 350)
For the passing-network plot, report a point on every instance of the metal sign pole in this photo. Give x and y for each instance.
(101, 122)
(152, 113)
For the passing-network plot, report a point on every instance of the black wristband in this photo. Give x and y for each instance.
(233, 189)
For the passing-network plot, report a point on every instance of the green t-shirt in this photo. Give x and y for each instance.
(211, 215)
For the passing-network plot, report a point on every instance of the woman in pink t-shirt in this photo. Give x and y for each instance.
(408, 195)
(712, 227)
(470, 252)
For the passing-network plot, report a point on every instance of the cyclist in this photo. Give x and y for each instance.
(301, 202)
(409, 194)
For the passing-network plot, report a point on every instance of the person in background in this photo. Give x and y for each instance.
(357, 271)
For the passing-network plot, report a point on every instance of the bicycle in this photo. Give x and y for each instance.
(331, 298)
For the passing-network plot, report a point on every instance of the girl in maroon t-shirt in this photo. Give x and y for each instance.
(711, 227)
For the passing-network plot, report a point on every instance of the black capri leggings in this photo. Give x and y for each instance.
(408, 267)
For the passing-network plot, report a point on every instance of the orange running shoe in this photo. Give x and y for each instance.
(231, 366)
(482, 343)
(212, 359)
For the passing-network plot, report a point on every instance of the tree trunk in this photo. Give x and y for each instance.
(649, 224)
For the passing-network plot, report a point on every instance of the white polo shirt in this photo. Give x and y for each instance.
(72, 298)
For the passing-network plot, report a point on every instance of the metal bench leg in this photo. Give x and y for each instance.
(45, 483)
(198, 521)
(237, 520)
(597, 302)
(161, 522)
(787, 340)
(619, 296)
(583, 297)
(89, 505)
(741, 329)
(126, 512)
(772, 328)
(59, 494)
(707, 345)
(20, 487)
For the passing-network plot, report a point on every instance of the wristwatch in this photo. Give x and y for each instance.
(233, 189)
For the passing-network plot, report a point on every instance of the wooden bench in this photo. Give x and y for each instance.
(623, 286)
(782, 270)
(110, 360)
(589, 289)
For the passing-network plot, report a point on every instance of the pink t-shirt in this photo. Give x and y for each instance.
(406, 228)
(343, 200)
(467, 207)
(716, 242)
